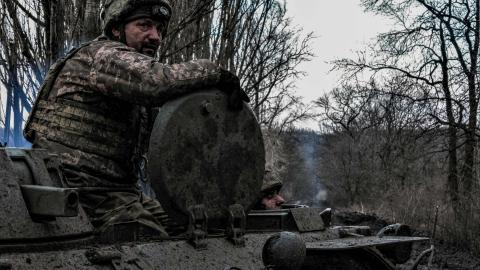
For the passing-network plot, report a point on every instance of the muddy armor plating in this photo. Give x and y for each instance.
(95, 110)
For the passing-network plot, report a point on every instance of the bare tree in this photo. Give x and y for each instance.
(33, 34)
(436, 44)
(252, 38)
(19, 69)
(433, 49)
(380, 151)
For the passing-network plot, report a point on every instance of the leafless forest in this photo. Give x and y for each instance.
(398, 136)
(403, 126)
(252, 38)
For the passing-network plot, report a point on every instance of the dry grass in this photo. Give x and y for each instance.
(418, 208)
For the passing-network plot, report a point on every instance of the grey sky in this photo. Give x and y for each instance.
(341, 27)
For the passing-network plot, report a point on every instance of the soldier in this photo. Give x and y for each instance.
(94, 109)
(270, 198)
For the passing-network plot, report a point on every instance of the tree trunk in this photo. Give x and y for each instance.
(92, 27)
(6, 131)
(452, 179)
(57, 37)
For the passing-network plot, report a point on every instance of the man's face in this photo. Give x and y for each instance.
(144, 35)
(273, 200)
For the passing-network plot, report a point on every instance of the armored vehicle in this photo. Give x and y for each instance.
(206, 165)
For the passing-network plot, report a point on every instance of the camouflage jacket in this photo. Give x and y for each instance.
(96, 113)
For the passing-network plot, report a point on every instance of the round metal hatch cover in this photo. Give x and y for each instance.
(203, 153)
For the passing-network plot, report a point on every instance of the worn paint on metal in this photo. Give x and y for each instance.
(203, 153)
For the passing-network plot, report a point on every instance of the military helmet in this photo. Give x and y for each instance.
(118, 11)
(271, 181)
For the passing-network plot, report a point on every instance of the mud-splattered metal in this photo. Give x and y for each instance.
(203, 153)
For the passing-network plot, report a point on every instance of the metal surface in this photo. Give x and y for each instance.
(203, 159)
(197, 226)
(308, 219)
(50, 201)
(16, 226)
(358, 259)
(367, 241)
(237, 222)
(270, 220)
(171, 254)
(284, 251)
(114, 258)
(180, 254)
(353, 231)
(130, 231)
(203, 153)
(34, 167)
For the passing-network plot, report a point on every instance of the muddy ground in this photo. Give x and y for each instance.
(449, 258)
(446, 257)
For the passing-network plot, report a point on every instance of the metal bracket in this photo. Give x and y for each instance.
(236, 224)
(50, 202)
(197, 226)
(326, 216)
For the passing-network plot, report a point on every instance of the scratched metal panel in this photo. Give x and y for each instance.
(359, 242)
(308, 219)
(16, 223)
(203, 153)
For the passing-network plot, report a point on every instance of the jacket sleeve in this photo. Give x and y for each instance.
(123, 73)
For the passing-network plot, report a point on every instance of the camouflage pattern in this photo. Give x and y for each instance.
(271, 181)
(275, 161)
(96, 113)
(116, 11)
(106, 208)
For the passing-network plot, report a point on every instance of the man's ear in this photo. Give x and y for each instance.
(115, 33)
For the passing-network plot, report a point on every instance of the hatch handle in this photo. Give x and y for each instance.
(197, 226)
(236, 224)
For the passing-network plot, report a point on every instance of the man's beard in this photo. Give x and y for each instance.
(149, 49)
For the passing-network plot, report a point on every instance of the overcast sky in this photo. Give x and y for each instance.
(341, 28)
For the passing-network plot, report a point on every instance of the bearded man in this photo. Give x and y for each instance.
(95, 109)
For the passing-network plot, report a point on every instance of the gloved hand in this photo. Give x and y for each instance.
(227, 82)
(230, 84)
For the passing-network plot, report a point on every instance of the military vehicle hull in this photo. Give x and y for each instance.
(206, 164)
(31, 241)
(324, 251)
